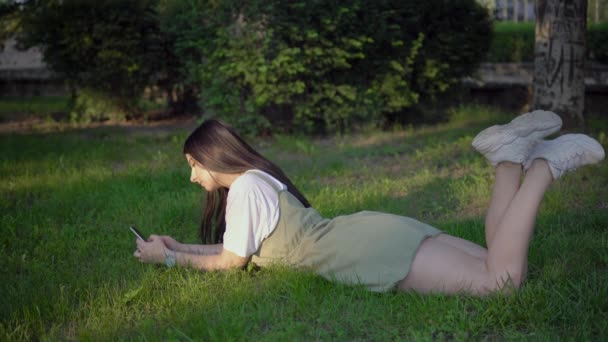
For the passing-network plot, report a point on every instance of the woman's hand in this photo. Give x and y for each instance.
(152, 251)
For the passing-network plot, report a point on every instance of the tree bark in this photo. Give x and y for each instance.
(559, 62)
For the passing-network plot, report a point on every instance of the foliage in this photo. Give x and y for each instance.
(263, 65)
(113, 47)
(311, 66)
(9, 20)
(190, 30)
(514, 43)
(90, 106)
(321, 65)
(597, 42)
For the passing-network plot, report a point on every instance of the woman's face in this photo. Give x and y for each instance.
(202, 176)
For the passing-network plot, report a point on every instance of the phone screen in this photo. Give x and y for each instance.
(137, 233)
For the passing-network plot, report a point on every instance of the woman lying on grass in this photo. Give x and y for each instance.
(261, 217)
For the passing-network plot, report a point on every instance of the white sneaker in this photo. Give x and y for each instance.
(567, 153)
(514, 141)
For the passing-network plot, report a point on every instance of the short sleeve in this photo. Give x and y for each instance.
(252, 213)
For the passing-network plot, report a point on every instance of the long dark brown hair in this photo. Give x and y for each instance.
(219, 148)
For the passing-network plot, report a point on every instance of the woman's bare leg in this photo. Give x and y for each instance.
(506, 183)
(466, 246)
(443, 267)
(508, 257)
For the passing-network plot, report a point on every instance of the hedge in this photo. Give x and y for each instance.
(321, 65)
(514, 43)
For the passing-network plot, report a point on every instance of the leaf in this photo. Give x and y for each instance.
(347, 91)
(397, 66)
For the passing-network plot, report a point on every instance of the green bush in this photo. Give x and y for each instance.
(514, 43)
(597, 42)
(93, 106)
(323, 65)
(113, 47)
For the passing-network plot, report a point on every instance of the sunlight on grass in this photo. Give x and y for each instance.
(67, 199)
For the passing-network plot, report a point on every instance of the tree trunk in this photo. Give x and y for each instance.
(559, 80)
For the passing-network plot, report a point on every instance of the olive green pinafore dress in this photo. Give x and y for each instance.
(369, 248)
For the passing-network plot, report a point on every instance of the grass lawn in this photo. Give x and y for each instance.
(66, 200)
(38, 106)
(54, 111)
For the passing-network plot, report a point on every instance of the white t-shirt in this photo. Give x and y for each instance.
(252, 213)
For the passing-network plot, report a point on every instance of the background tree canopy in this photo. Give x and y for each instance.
(312, 66)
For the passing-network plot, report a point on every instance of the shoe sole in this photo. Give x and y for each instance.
(535, 125)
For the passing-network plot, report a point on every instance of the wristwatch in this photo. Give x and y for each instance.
(170, 259)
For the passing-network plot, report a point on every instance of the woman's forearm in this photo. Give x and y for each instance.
(221, 261)
(200, 262)
(200, 249)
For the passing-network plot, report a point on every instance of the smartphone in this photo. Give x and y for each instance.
(137, 233)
